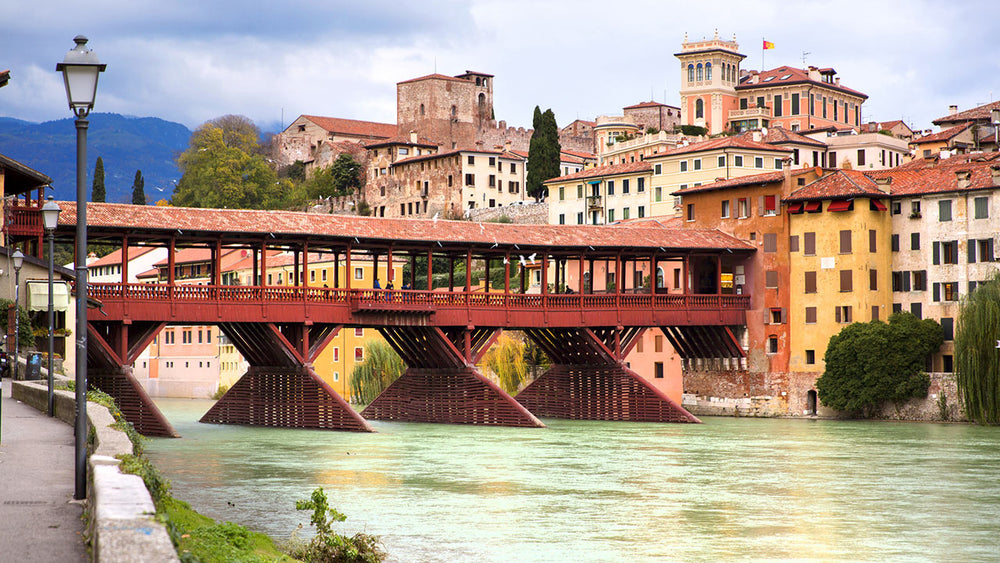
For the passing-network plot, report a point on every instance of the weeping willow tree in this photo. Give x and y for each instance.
(977, 359)
(381, 366)
(505, 361)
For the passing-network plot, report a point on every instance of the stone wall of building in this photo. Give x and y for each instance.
(528, 213)
(941, 404)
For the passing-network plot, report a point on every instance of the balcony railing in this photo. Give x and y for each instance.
(750, 113)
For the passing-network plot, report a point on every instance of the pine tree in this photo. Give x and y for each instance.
(97, 193)
(544, 153)
(138, 194)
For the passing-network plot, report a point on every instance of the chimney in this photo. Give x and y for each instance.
(952, 110)
(883, 183)
(837, 81)
(756, 136)
(963, 177)
(995, 172)
(413, 136)
(507, 146)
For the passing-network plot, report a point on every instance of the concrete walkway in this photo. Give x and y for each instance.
(39, 520)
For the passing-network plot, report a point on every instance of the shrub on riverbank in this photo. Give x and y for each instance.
(328, 546)
(977, 360)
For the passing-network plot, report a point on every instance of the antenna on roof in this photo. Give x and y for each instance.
(435, 65)
(804, 54)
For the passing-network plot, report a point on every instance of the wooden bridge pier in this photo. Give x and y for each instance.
(442, 384)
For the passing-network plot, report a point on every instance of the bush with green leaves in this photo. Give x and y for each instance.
(977, 359)
(328, 546)
(870, 364)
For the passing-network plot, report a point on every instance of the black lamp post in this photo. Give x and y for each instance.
(50, 218)
(80, 70)
(18, 258)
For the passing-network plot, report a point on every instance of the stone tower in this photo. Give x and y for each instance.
(446, 109)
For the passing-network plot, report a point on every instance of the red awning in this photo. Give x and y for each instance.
(795, 207)
(877, 205)
(840, 205)
(814, 206)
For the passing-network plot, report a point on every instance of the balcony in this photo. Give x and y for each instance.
(594, 203)
(23, 219)
(760, 112)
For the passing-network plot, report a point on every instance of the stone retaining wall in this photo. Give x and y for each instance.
(122, 523)
(530, 213)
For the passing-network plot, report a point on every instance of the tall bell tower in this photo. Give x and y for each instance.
(710, 72)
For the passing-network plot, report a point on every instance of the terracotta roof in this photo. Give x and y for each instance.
(241, 224)
(435, 77)
(19, 178)
(841, 184)
(402, 140)
(650, 105)
(981, 113)
(795, 76)
(116, 256)
(780, 135)
(737, 142)
(4, 77)
(946, 135)
(753, 180)
(603, 171)
(354, 127)
(941, 175)
(876, 126)
(580, 154)
(510, 155)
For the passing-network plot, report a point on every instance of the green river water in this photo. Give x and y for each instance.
(731, 489)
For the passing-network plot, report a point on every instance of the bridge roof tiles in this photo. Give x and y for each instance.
(242, 224)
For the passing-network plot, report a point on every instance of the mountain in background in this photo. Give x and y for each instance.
(125, 143)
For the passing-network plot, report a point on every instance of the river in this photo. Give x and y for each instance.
(583, 491)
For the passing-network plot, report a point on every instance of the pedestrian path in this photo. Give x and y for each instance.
(39, 521)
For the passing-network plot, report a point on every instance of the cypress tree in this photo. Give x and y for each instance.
(138, 194)
(544, 153)
(97, 193)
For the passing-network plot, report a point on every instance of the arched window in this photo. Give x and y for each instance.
(690, 73)
(701, 75)
(661, 280)
(482, 101)
(708, 71)
(454, 112)
(699, 108)
(421, 110)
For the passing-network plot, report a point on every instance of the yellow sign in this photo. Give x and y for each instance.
(727, 281)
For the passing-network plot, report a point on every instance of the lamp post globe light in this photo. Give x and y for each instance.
(18, 259)
(80, 71)
(50, 218)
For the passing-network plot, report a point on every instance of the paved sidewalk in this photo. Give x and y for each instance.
(39, 521)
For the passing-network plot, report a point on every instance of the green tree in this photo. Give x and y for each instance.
(381, 366)
(25, 332)
(343, 177)
(224, 167)
(869, 364)
(544, 153)
(138, 193)
(97, 193)
(977, 360)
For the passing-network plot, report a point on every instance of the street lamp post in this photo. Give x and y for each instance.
(80, 71)
(50, 218)
(18, 262)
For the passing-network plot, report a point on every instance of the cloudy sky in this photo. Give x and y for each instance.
(193, 60)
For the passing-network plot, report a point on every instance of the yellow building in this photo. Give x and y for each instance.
(706, 162)
(601, 195)
(336, 362)
(840, 264)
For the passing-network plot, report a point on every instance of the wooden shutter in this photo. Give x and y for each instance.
(936, 252)
(937, 291)
(972, 251)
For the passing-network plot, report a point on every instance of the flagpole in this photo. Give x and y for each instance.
(762, 49)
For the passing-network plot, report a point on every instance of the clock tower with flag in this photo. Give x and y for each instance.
(710, 72)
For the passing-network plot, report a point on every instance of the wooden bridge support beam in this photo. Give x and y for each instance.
(440, 385)
(281, 389)
(589, 380)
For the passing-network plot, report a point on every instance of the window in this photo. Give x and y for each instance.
(472, 159)
(793, 243)
(697, 164)
(875, 311)
(845, 242)
(917, 310)
(562, 218)
(690, 73)
(725, 209)
(658, 343)
(947, 363)
(982, 208)
(744, 207)
(579, 218)
(949, 291)
(658, 370)
(770, 206)
(658, 194)
(872, 241)
(810, 279)
(777, 106)
(359, 332)
(359, 352)
(915, 209)
(842, 314)
(722, 162)
(810, 357)
(758, 162)
(772, 344)
(657, 169)
(919, 280)
(846, 281)
(948, 326)
(699, 108)
(562, 193)
(777, 164)
(944, 210)
(982, 247)
(492, 181)
(625, 213)
(611, 187)
(873, 280)
(897, 207)
(493, 161)
(771, 279)
(795, 104)
(777, 315)
(611, 216)
(684, 166)
(625, 186)
(809, 244)
(811, 315)
(359, 274)
(738, 160)
(640, 185)
(770, 242)
(470, 179)
(945, 252)
(690, 212)
(895, 243)
(861, 157)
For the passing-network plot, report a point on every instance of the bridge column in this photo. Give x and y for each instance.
(588, 379)
(280, 388)
(440, 385)
(112, 350)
